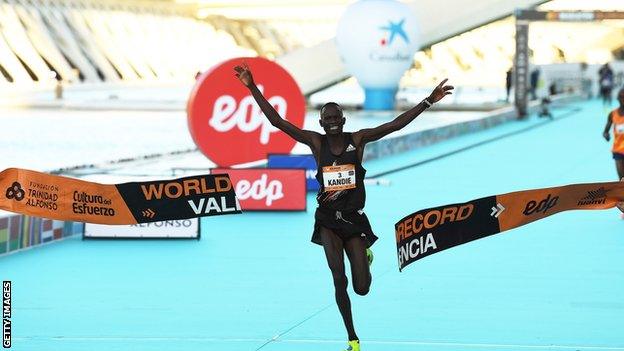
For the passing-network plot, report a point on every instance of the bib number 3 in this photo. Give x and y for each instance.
(339, 177)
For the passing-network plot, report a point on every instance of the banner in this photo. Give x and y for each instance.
(306, 162)
(432, 230)
(61, 198)
(265, 189)
(174, 229)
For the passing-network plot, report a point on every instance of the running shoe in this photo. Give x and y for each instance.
(354, 345)
(369, 255)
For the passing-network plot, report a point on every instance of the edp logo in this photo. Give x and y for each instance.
(542, 206)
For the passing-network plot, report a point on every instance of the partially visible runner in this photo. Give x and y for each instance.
(340, 223)
(616, 118)
(606, 80)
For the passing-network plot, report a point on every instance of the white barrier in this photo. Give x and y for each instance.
(177, 229)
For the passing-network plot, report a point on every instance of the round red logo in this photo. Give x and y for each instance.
(226, 123)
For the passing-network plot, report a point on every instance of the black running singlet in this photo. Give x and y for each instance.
(341, 177)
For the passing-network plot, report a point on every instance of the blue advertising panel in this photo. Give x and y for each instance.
(297, 161)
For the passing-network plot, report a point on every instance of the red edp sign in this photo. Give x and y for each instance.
(227, 124)
(265, 189)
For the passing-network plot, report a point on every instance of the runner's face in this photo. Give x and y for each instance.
(621, 98)
(332, 120)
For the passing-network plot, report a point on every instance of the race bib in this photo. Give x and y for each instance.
(619, 128)
(339, 177)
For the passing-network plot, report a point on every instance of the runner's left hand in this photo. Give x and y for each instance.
(440, 91)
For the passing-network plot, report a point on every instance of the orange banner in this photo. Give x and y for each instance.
(55, 197)
(523, 207)
(432, 230)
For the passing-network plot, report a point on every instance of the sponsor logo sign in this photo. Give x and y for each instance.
(594, 197)
(540, 207)
(227, 124)
(266, 189)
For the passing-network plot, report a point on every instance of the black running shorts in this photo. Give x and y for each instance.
(345, 224)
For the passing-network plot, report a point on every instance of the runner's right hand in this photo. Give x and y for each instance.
(606, 136)
(243, 73)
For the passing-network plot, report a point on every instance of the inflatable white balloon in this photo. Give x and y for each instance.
(377, 40)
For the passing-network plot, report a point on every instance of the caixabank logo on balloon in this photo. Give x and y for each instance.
(227, 124)
(393, 32)
(377, 40)
(382, 30)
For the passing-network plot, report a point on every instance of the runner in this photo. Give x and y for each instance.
(341, 225)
